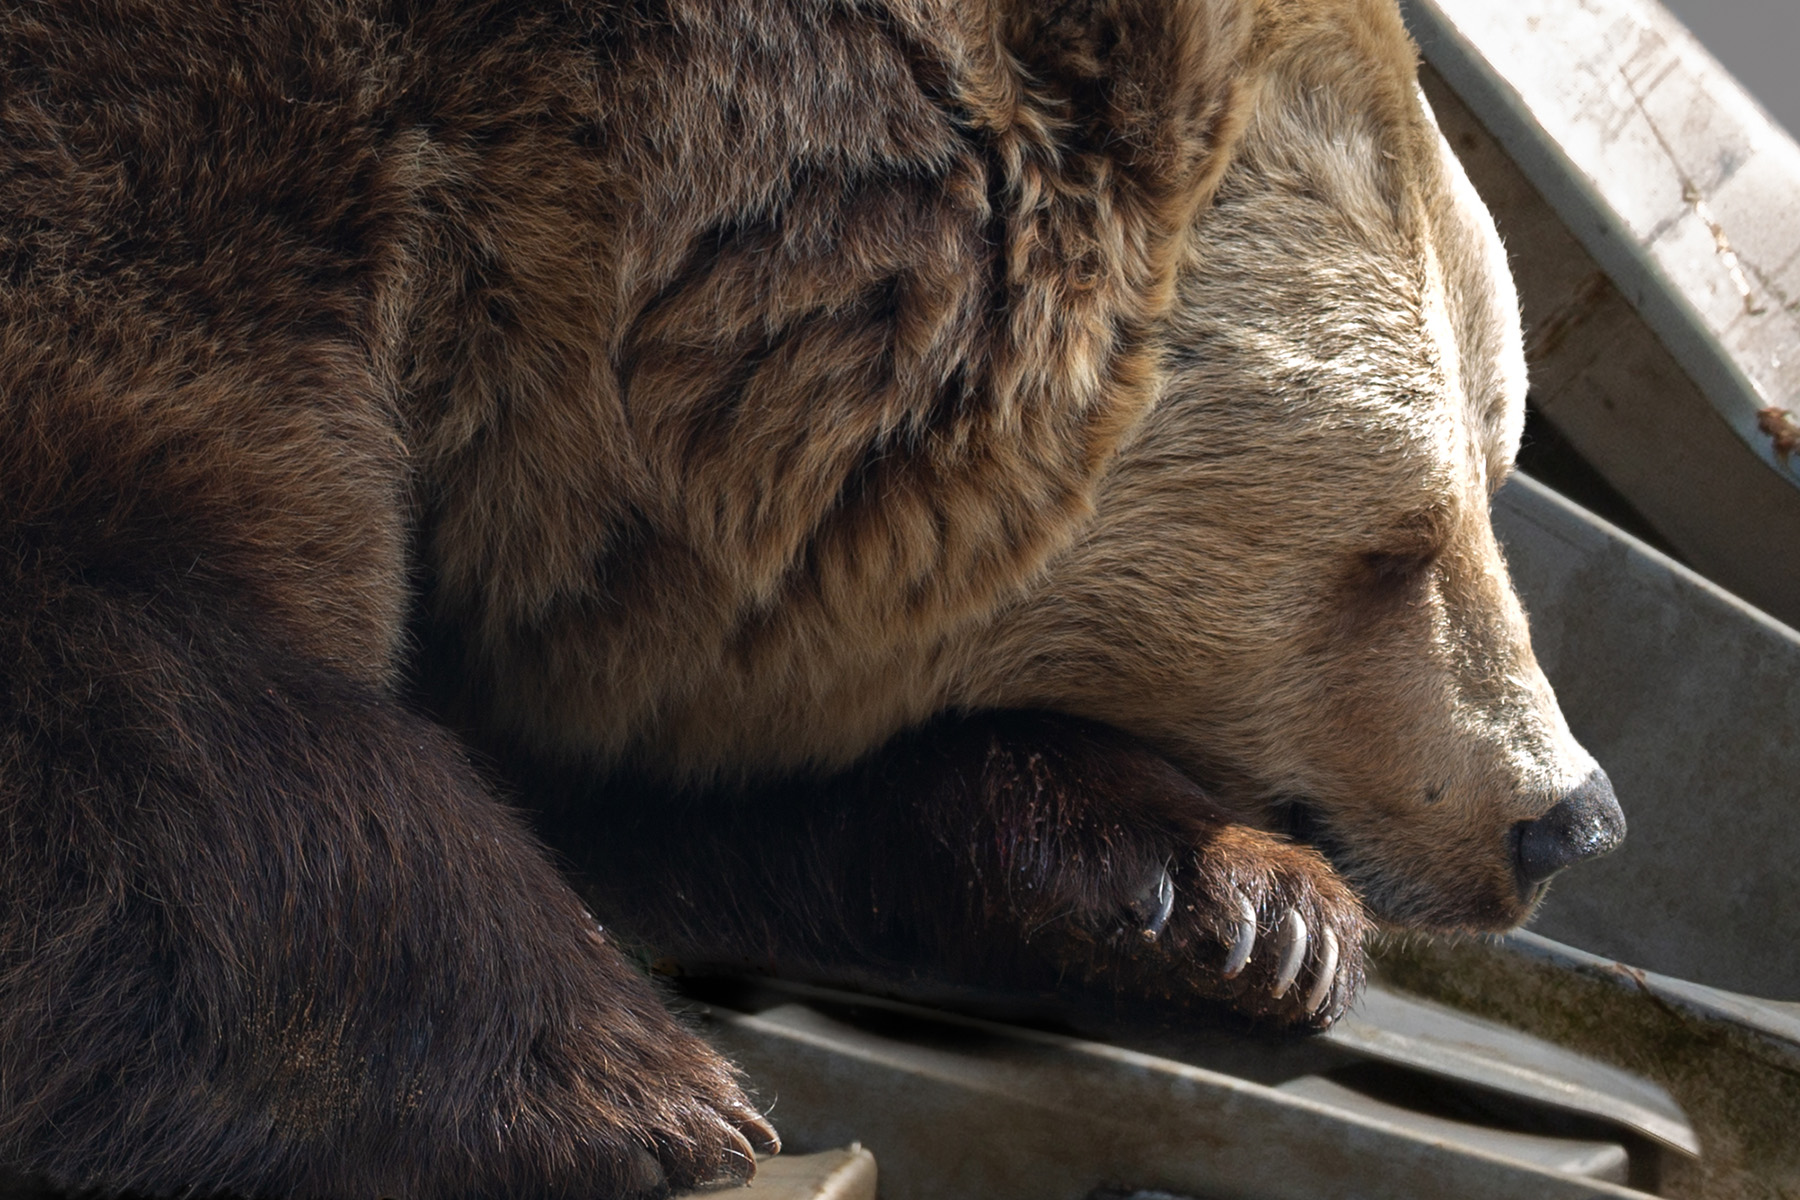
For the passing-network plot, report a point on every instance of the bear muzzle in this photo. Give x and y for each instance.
(1584, 824)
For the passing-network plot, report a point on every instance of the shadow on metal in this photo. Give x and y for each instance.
(1405, 1099)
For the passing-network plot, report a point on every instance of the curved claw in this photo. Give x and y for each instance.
(1244, 942)
(743, 1165)
(1293, 952)
(1328, 959)
(755, 1129)
(1157, 904)
(752, 1138)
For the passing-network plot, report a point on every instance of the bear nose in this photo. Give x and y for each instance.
(1584, 824)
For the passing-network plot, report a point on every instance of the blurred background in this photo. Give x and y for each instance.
(1758, 41)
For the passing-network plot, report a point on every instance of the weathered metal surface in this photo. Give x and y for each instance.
(1392, 1029)
(844, 1174)
(1601, 296)
(1430, 1038)
(1667, 171)
(1689, 698)
(1775, 1022)
(1571, 1156)
(962, 1108)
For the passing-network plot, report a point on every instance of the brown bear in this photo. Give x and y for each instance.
(981, 492)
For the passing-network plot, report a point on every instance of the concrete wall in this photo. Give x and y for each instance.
(1691, 701)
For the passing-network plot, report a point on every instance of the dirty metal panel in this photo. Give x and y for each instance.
(1670, 175)
(1571, 1156)
(1419, 1036)
(960, 1108)
(1775, 1022)
(1428, 1037)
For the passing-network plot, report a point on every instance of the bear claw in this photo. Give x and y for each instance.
(759, 1136)
(1293, 952)
(1156, 905)
(1327, 973)
(742, 1137)
(1245, 941)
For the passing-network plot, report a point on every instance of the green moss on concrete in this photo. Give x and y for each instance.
(1742, 1095)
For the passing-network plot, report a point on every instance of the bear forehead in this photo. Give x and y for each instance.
(1353, 305)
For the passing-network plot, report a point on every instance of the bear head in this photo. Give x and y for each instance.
(1291, 583)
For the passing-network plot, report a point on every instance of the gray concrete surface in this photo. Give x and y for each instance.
(1690, 699)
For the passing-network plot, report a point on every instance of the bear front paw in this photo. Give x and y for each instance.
(701, 1140)
(608, 1095)
(1256, 921)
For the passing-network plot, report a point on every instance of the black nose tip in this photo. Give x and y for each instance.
(1585, 823)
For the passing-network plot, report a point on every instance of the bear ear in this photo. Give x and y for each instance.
(1154, 87)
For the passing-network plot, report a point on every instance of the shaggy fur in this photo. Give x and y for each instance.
(835, 365)
(709, 391)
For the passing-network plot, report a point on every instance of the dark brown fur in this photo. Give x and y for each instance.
(1006, 856)
(590, 330)
(266, 933)
(669, 390)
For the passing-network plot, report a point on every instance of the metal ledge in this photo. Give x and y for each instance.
(1661, 165)
(958, 1107)
(1775, 1022)
(1687, 696)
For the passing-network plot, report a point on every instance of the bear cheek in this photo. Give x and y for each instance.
(1417, 788)
(1448, 869)
(1476, 881)
(1445, 855)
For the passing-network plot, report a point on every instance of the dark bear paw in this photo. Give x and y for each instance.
(711, 1141)
(695, 1139)
(1251, 919)
(621, 1101)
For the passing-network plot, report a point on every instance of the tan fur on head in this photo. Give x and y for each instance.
(1296, 545)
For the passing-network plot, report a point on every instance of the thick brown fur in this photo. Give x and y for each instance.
(707, 392)
(851, 351)
(266, 934)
